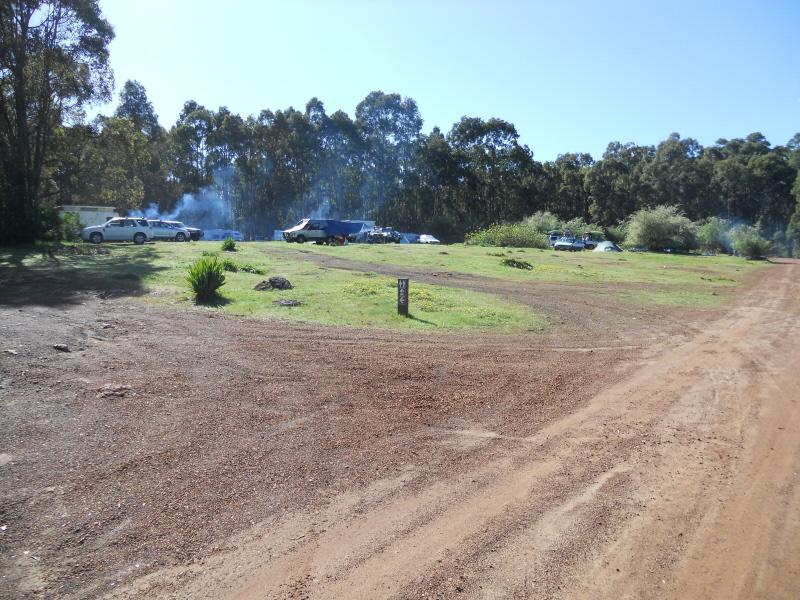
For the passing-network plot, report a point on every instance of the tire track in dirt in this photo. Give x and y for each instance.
(577, 310)
(677, 481)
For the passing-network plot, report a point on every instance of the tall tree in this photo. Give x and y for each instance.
(114, 166)
(53, 60)
(134, 105)
(391, 126)
(189, 146)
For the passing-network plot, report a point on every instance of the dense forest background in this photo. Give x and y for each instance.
(261, 172)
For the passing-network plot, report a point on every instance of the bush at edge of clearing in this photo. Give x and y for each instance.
(516, 235)
(714, 235)
(205, 277)
(747, 242)
(228, 245)
(662, 228)
(543, 221)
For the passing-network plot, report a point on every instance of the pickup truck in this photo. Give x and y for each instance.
(321, 231)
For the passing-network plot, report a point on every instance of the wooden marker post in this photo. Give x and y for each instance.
(402, 297)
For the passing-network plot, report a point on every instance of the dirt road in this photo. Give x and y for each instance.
(476, 468)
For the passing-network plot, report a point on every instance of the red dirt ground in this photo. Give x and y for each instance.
(191, 455)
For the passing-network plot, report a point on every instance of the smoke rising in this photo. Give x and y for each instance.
(206, 209)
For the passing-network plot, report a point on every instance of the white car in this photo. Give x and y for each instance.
(130, 229)
(428, 239)
(164, 230)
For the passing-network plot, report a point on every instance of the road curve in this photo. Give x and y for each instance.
(679, 481)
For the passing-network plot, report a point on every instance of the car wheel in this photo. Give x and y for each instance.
(96, 238)
(301, 239)
(139, 238)
(180, 237)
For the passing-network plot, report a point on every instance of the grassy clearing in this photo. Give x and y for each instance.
(665, 279)
(329, 296)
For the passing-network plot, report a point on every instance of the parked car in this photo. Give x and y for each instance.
(572, 244)
(322, 231)
(120, 229)
(163, 230)
(384, 235)
(428, 239)
(194, 233)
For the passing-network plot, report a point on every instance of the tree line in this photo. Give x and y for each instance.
(276, 167)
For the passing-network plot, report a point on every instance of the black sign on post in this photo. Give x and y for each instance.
(402, 297)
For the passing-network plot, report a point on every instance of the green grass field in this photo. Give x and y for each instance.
(329, 296)
(635, 277)
(341, 297)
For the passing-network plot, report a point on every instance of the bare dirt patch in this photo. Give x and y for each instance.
(177, 455)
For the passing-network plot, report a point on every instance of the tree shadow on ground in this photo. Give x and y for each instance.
(57, 275)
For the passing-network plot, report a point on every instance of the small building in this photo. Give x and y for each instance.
(90, 215)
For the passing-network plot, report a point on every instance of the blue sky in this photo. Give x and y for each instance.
(572, 76)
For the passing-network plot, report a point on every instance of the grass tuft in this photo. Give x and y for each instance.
(518, 264)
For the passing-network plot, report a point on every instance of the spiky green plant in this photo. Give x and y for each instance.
(205, 277)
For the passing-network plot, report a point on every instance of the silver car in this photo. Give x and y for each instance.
(164, 230)
(120, 229)
(572, 244)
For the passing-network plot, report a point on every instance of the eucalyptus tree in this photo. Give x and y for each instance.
(391, 127)
(677, 176)
(493, 167)
(189, 146)
(571, 196)
(616, 185)
(134, 105)
(53, 61)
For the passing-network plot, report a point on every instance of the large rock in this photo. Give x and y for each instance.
(274, 283)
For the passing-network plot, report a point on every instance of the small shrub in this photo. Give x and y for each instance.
(57, 226)
(747, 242)
(229, 265)
(205, 277)
(209, 253)
(508, 234)
(228, 245)
(517, 264)
(70, 230)
(251, 269)
(662, 228)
